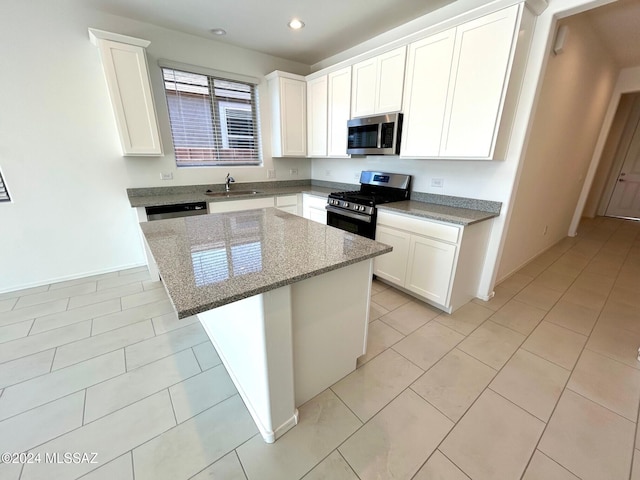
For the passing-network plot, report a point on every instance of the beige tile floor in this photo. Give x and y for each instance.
(541, 382)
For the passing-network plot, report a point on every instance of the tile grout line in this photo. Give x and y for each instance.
(173, 408)
(96, 336)
(564, 388)
(198, 361)
(95, 420)
(84, 407)
(33, 322)
(598, 404)
(133, 464)
(497, 373)
(235, 451)
(40, 351)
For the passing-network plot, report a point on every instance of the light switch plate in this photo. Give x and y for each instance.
(437, 182)
(166, 175)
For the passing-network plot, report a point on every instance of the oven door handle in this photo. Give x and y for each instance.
(346, 213)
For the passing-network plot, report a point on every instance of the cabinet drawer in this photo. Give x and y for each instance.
(429, 228)
(286, 200)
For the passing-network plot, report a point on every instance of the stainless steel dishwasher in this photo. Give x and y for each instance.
(163, 212)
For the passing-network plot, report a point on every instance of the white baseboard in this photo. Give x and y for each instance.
(74, 276)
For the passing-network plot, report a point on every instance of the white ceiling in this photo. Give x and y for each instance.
(333, 26)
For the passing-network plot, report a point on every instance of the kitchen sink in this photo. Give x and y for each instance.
(232, 193)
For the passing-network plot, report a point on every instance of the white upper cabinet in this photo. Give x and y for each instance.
(481, 65)
(455, 88)
(390, 80)
(317, 117)
(363, 90)
(127, 74)
(288, 114)
(425, 96)
(339, 111)
(377, 84)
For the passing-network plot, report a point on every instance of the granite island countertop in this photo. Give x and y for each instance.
(207, 261)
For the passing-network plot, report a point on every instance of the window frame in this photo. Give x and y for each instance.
(220, 152)
(4, 190)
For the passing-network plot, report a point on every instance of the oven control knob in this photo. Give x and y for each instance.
(361, 208)
(346, 205)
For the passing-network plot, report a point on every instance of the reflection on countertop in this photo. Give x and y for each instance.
(211, 260)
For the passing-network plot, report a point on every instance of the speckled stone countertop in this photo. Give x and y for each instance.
(155, 196)
(444, 213)
(208, 261)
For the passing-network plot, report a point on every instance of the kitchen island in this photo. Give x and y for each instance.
(284, 300)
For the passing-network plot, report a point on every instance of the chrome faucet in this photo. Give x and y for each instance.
(229, 179)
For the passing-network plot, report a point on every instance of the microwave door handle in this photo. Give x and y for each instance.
(379, 141)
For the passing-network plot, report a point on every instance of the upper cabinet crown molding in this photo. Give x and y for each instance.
(127, 74)
(288, 93)
(95, 35)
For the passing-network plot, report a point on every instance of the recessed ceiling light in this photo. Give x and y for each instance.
(218, 31)
(296, 24)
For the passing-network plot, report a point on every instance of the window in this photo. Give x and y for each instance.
(4, 193)
(213, 120)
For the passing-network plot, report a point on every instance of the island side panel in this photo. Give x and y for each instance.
(254, 341)
(330, 323)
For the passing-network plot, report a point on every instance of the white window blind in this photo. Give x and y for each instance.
(4, 193)
(213, 120)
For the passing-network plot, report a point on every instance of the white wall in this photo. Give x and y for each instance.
(59, 149)
(575, 94)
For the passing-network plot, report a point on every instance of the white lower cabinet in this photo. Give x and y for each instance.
(435, 261)
(393, 266)
(430, 268)
(237, 205)
(289, 203)
(313, 208)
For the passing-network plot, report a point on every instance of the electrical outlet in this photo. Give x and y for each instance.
(356, 176)
(166, 175)
(293, 172)
(271, 174)
(437, 182)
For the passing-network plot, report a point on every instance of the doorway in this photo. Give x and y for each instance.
(621, 195)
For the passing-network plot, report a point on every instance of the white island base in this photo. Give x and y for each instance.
(285, 346)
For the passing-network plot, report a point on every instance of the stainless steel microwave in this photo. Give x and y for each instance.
(376, 135)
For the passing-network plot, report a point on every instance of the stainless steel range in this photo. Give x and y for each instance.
(356, 211)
